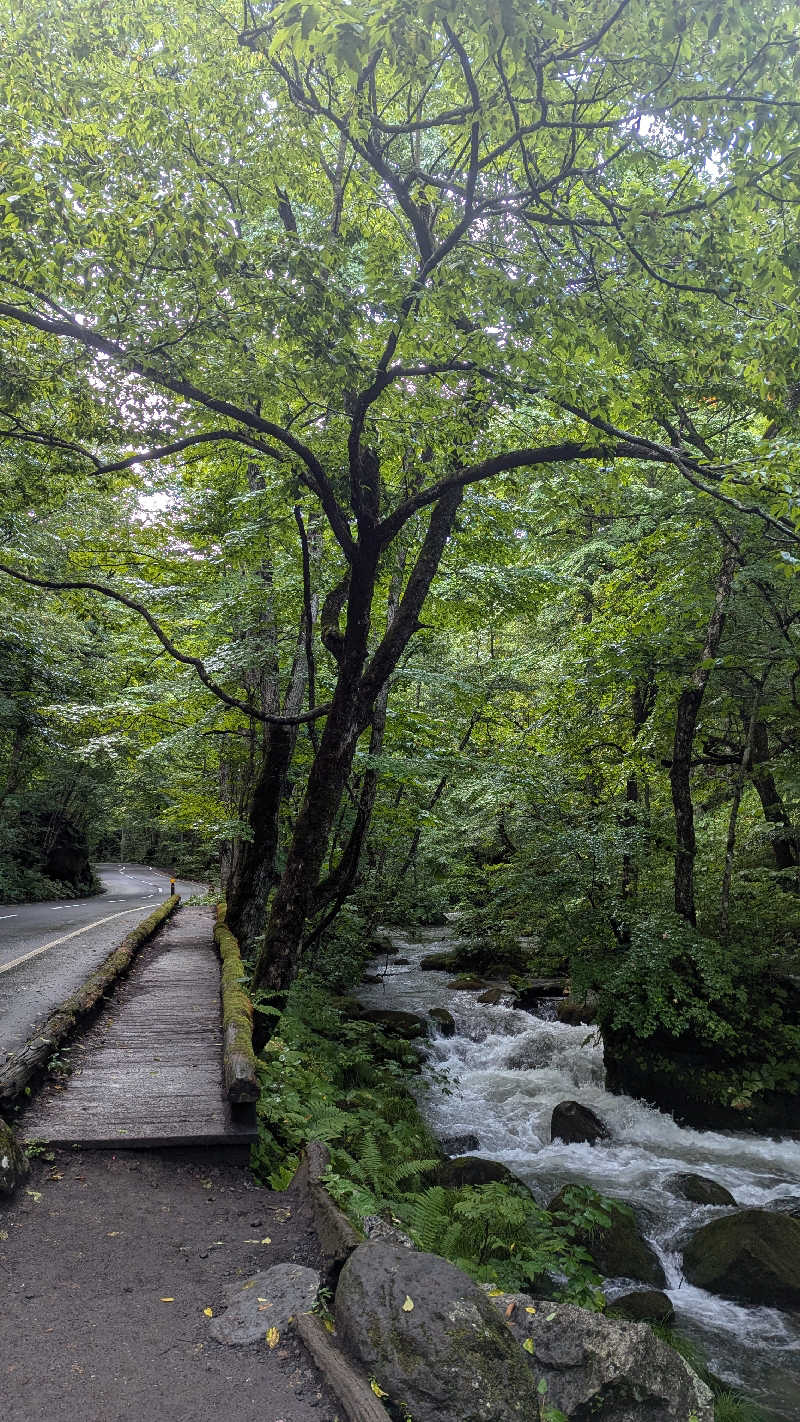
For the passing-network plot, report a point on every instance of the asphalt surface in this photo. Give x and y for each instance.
(76, 935)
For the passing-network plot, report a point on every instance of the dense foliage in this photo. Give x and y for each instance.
(398, 445)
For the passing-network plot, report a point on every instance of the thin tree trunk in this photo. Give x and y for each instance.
(730, 844)
(688, 711)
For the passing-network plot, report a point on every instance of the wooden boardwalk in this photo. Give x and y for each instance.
(149, 1070)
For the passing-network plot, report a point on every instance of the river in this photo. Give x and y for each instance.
(507, 1069)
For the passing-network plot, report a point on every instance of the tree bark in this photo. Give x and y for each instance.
(784, 844)
(689, 704)
(357, 690)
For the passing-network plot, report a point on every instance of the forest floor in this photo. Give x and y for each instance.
(108, 1265)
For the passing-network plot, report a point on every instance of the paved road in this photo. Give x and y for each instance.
(76, 935)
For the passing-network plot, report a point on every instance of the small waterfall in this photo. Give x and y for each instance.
(508, 1069)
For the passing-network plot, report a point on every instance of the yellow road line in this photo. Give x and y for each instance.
(54, 942)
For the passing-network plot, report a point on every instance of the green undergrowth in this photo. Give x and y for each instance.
(329, 1077)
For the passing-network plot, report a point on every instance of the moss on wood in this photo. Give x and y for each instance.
(238, 1057)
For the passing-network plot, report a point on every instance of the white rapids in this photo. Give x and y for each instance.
(507, 1069)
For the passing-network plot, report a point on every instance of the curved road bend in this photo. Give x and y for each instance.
(76, 935)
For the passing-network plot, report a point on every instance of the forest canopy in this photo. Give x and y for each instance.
(398, 446)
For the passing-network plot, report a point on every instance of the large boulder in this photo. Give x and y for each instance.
(598, 1367)
(13, 1161)
(431, 1338)
(572, 1122)
(405, 1025)
(753, 1255)
(700, 1190)
(619, 1251)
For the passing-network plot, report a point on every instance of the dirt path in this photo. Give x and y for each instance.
(109, 1263)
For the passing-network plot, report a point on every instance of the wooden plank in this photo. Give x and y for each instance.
(149, 1071)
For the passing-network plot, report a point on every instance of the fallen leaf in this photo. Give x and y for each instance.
(377, 1389)
(112, 1233)
(3, 1234)
(273, 1337)
(266, 1240)
(55, 1176)
(209, 1312)
(510, 1309)
(495, 1293)
(530, 1310)
(408, 1305)
(550, 1317)
(262, 1307)
(167, 1300)
(34, 1194)
(528, 1345)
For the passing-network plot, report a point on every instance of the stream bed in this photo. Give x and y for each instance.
(507, 1069)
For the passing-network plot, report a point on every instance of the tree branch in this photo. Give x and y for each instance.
(169, 646)
(314, 475)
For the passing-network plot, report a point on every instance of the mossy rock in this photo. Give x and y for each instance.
(700, 1190)
(494, 995)
(431, 1338)
(752, 1256)
(620, 1251)
(462, 1170)
(439, 962)
(467, 983)
(408, 1026)
(444, 1020)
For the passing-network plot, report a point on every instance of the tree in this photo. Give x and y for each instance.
(385, 257)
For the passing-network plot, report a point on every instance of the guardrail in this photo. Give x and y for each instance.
(17, 1071)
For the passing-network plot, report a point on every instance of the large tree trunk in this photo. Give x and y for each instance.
(784, 843)
(357, 690)
(688, 711)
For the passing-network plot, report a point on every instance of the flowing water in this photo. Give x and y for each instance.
(507, 1070)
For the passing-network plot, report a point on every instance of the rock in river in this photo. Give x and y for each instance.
(445, 1021)
(753, 1255)
(406, 1025)
(619, 1251)
(700, 1190)
(643, 1306)
(573, 1122)
(431, 1338)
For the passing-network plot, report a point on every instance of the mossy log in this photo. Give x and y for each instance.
(352, 1390)
(18, 1070)
(238, 1057)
